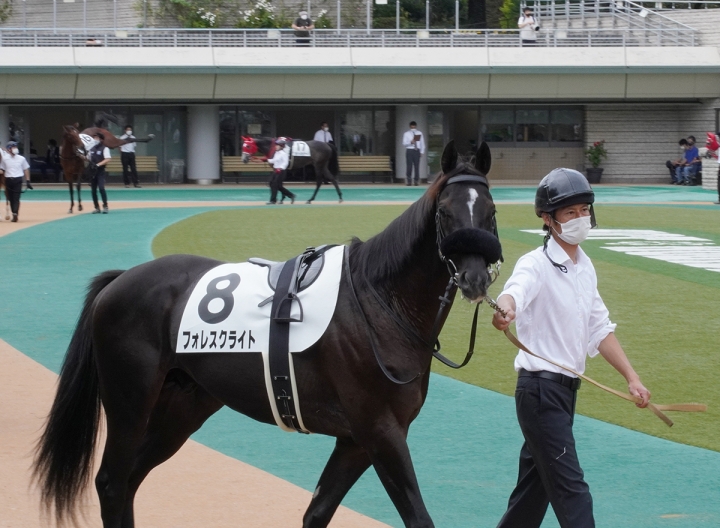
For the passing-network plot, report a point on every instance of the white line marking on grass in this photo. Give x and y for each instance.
(659, 245)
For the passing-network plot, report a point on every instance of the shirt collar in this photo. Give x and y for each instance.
(557, 253)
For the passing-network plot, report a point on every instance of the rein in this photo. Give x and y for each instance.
(445, 300)
(655, 408)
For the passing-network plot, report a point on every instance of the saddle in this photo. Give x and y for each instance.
(305, 278)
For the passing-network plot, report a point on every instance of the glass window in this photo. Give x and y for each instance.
(532, 125)
(229, 137)
(355, 132)
(383, 137)
(497, 125)
(566, 124)
(255, 123)
(435, 140)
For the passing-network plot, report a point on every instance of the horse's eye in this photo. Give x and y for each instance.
(443, 213)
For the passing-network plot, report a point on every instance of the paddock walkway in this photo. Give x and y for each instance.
(237, 470)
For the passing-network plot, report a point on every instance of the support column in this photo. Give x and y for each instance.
(403, 115)
(4, 125)
(203, 144)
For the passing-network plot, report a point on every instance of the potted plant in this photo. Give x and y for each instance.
(595, 155)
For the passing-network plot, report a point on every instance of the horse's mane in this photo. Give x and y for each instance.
(386, 254)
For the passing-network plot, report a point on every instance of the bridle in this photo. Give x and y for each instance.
(445, 299)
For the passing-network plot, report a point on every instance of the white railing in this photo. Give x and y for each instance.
(676, 35)
(617, 14)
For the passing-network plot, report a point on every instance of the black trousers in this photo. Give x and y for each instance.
(98, 182)
(718, 178)
(13, 189)
(549, 470)
(412, 158)
(128, 166)
(276, 184)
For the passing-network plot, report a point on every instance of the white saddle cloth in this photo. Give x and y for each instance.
(223, 314)
(300, 148)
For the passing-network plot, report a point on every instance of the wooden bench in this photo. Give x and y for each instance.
(143, 164)
(366, 165)
(234, 165)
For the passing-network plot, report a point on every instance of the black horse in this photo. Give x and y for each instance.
(363, 382)
(323, 157)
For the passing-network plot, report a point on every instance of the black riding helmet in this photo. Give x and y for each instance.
(560, 188)
(563, 187)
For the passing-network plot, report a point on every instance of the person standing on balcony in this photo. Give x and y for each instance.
(324, 134)
(528, 26)
(414, 144)
(127, 158)
(302, 26)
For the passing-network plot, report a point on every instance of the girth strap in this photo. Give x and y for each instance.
(279, 352)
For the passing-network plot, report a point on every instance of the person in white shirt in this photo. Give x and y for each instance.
(16, 168)
(414, 144)
(98, 157)
(127, 158)
(552, 296)
(279, 162)
(323, 134)
(528, 26)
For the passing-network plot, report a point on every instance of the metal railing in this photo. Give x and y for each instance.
(361, 38)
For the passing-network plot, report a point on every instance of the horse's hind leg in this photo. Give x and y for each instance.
(347, 463)
(182, 407)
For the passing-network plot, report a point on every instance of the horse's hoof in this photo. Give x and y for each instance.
(340, 200)
(70, 211)
(309, 202)
(79, 207)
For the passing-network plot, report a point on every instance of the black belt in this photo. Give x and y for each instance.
(562, 379)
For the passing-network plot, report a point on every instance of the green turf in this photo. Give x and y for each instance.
(667, 314)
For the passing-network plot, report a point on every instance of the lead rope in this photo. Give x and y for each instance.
(654, 407)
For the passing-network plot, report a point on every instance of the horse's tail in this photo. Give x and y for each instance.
(64, 454)
(333, 164)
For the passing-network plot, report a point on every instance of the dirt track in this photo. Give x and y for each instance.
(197, 487)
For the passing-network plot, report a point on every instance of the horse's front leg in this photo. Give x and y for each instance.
(386, 444)
(317, 187)
(347, 463)
(79, 185)
(72, 198)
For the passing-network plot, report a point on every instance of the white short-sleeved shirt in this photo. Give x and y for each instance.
(559, 316)
(408, 137)
(128, 147)
(324, 136)
(14, 166)
(527, 32)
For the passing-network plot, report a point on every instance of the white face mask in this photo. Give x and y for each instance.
(15, 150)
(304, 17)
(575, 231)
(128, 132)
(326, 129)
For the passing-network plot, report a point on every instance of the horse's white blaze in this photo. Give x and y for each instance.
(471, 202)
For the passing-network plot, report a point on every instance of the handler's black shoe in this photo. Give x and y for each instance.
(15, 218)
(138, 186)
(270, 203)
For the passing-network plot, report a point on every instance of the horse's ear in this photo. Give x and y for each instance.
(449, 157)
(483, 159)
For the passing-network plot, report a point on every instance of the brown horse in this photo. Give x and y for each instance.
(73, 157)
